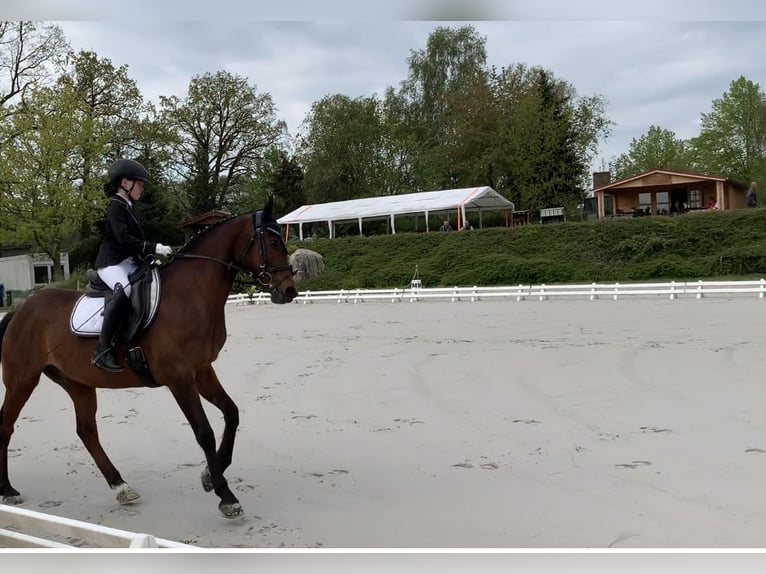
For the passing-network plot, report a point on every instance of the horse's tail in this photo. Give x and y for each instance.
(3, 327)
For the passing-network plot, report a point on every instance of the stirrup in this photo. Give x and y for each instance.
(101, 361)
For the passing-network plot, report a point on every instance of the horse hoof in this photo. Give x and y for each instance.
(231, 510)
(13, 500)
(127, 494)
(207, 480)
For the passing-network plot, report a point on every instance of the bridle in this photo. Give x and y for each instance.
(263, 277)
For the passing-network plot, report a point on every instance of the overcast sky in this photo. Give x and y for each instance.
(662, 63)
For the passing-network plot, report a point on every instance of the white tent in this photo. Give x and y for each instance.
(389, 206)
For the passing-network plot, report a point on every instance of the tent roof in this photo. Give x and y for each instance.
(472, 198)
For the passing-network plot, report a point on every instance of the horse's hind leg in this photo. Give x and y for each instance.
(85, 406)
(211, 390)
(17, 393)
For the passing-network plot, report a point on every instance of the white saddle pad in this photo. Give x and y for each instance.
(86, 318)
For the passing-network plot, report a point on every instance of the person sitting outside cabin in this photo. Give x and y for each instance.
(445, 226)
(750, 198)
(122, 245)
(712, 203)
(467, 225)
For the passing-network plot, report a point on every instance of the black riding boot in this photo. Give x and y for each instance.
(114, 310)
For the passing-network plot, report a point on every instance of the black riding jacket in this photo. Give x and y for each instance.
(123, 236)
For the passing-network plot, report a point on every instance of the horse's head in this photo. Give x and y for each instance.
(269, 257)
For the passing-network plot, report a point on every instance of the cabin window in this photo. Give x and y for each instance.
(663, 203)
(645, 202)
(42, 274)
(695, 198)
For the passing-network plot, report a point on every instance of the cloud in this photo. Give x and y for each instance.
(661, 73)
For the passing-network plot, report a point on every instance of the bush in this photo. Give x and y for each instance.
(693, 246)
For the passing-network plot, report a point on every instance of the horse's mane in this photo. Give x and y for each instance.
(201, 232)
(268, 219)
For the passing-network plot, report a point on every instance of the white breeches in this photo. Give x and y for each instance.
(118, 274)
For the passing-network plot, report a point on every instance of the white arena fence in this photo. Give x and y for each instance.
(542, 292)
(22, 528)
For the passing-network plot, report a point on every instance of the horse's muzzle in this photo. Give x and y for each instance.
(286, 295)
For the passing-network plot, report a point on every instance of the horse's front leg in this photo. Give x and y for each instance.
(187, 397)
(211, 390)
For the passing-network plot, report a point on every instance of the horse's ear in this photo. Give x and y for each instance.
(269, 208)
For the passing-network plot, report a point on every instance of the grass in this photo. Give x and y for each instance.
(701, 245)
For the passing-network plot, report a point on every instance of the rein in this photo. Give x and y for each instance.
(263, 276)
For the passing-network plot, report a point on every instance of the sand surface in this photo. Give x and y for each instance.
(632, 423)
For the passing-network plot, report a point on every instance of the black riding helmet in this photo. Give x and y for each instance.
(129, 169)
(125, 168)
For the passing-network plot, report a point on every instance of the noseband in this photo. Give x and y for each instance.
(263, 276)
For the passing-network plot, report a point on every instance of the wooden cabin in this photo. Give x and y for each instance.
(656, 191)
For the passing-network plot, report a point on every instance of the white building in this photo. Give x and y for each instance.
(26, 271)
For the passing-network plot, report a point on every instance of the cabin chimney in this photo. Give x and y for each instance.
(601, 178)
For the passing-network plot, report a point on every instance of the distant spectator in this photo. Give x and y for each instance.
(467, 225)
(712, 203)
(674, 209)
(750, 198)
(445, 226)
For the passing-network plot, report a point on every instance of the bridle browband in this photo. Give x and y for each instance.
(263, 277)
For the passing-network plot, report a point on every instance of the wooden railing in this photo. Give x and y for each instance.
(22, 528)
(542, 292)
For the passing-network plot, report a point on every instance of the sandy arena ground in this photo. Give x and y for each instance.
(632, 423)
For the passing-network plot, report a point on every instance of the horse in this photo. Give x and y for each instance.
(179, 351)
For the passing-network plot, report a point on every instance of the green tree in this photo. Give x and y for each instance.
(108, 108)
(286, 183)
(40, 173)
(539, 136)
(452, 59)
(658, 148)
(732, 139)
(341, 151)
(223, 128)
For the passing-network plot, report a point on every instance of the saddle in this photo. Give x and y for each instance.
(86, 319)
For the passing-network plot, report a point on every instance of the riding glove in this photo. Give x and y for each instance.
(163, 250)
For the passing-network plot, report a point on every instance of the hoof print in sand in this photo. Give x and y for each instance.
(634, 464)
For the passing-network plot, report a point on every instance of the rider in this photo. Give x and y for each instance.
(117, 255)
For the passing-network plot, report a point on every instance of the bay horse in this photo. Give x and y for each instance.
(179, 346)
